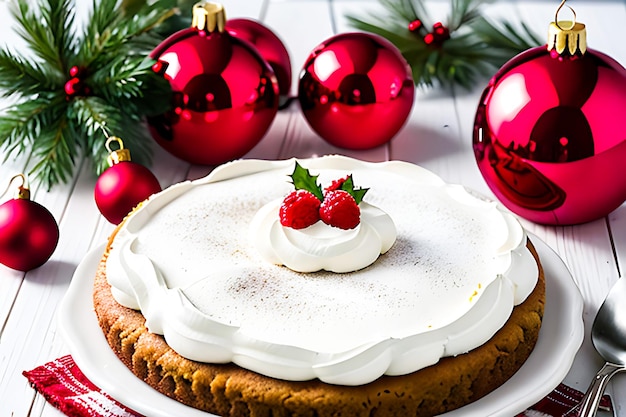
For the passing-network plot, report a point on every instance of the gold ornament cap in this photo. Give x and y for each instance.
(22, 192)
(567, 36)
(116, 156)
(208, 16)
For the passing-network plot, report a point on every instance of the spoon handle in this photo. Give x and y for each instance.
(591, 400)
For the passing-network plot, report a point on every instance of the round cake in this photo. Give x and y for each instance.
(431, 300)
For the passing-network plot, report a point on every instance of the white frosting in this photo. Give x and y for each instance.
(449, 282)
(320, 246)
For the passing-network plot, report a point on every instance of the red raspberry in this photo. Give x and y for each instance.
(336, 184)
(339, 209)
(300, 209)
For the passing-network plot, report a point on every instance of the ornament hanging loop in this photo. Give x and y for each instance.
(23, 192)
(571, 22)
(565, 37)
(119, 155)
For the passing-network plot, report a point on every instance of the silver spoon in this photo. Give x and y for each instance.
(608, 335)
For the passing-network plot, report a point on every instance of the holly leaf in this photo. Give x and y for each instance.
(356, 193)
(303, 180)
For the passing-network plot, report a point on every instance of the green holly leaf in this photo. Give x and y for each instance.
(356, 193)
(303, 180)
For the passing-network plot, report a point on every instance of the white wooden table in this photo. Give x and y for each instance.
(437, 136)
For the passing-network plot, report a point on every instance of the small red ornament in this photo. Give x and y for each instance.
(123, 185)
(356, 90)
(225, 95)
(549, 134)
(28, 232)
(269, 46)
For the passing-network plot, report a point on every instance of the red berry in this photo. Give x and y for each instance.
(339, 209)
(300, 209)
(415, 25)
(74, 71)
(336, 184)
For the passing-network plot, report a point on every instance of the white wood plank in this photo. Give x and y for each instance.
(238, 8)
(301, 25)
(10, 280)
(437, 135)
(617, 221)
(29, 332)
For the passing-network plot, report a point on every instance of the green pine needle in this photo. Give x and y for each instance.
(477, 46)
(58, 130)
(22, 77)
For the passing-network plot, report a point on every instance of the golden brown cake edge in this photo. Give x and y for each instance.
(231, 391)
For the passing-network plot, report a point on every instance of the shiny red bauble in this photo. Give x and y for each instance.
(121, 187)
(28, 234)
(268, 45)
(550, 136)
(225, 95)
(356, 90)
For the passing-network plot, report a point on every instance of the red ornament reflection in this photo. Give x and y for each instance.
(225, 96)
(550, 138)
(356, 90)
(269, 46)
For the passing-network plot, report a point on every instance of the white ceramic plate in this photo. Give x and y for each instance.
(560, 338)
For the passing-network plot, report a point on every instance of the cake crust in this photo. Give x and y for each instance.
(229, 390)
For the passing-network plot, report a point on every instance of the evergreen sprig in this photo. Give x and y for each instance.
(115, 90)
(473, 47)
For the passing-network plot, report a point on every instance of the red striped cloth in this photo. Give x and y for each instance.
(563, 401)
(66, 387)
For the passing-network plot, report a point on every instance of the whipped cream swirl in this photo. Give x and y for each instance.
(320, 246)
(457, 268)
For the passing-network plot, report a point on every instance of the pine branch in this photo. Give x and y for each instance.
(57, 147)
(48, 42)
(96, 119)
(474, 47)
(59, 18)
(463, 12)
(130, 83)
(81, 87)
(110, 31)
(23, 77)
(120, 78)
(507, 37)
(22, 123)
(56, 153)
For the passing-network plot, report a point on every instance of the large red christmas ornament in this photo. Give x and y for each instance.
(549, 134)
(28, 232)
(225, 95)
(269, 46)
(356, 90)
(123, 185)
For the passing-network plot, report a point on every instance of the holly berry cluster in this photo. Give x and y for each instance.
(436, 37)
(336, 205)
(75, 86)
